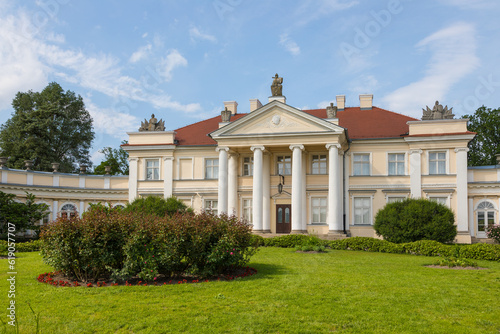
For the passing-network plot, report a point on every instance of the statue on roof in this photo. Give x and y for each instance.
(437, 112)
(331, 111)
(277, 87)
(152, 125)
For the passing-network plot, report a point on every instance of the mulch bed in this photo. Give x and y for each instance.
(456, 268)
(58, 279)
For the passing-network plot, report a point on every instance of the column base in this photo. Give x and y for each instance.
(463, 237)
(298, 232)
(265, 231)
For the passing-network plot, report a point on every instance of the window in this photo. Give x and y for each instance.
(362, 210)
(152, 169)
(394, 199)
(211, 205)
(211, 168)
(440, 200)
(361, 164)
(284, 164)
(45, 220)
(318, 210)
(247, 210)
(437, 163)
(485, 216)
(319, 164)
(396, 163)
(247, 166)
(68, 210)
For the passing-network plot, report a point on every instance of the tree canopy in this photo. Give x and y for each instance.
(117, 159)
(483, 148)
(22, 215)
(48, 126)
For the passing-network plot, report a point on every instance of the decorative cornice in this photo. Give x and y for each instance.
(416, 151)
(168, 158)
(461, 149)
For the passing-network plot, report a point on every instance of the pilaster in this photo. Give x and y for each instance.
(416, 173)
(168, 176)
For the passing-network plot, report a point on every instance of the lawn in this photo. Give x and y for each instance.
(340, 291)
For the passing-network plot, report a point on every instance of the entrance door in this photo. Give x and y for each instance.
(283, 218)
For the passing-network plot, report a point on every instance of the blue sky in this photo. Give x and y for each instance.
(181, 60)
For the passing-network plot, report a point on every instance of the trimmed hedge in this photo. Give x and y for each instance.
(422, 247)
(28, 246)
(292, 240)
(119, 245)
(415, 219)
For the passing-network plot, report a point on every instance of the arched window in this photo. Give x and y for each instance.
(485, 217)
(68, 211)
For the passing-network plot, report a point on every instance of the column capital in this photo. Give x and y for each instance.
(461, 149)
(416, 151)
(222, 148)
(258, 147)
(133, 159)
(299, 146)
(168, 158)
(329, 146)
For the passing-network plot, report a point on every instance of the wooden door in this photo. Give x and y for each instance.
(283, 218)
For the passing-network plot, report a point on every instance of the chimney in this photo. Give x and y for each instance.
(366, 101)
(231, 105)
(340, 102)
(255, 104)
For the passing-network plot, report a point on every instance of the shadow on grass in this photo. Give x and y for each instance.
(266, 270)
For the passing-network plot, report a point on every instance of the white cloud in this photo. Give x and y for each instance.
(363, 84)
(289, 44)
(110, 121)
(170, 62)
(452, 57)
(96, 157)
(311, 10)
(140, 54)
(196, 34)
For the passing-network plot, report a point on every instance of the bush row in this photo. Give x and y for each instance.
(422, 247)
(28, 246)
(119, 245)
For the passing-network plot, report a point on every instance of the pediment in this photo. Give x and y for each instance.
(276, 118)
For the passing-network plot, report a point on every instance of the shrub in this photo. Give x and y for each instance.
(286, 241)
(158, 206)
(455, 262)
(428, 248)
(120, 245)
(480, 252)
(29, 246)
(493, 232)
(257, 240)
(415, 219)
(366, 244)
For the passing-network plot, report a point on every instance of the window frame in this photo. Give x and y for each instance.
(370, 211)
(247, 209)
(284, 155)
(388, 199)
(353, 162)
(435, 199)
(397, 162)
(69, 214)
(212, 209)
(215, 169)
(446, 162)
(250, 165)
(146, 160)
(312, 207)
(493, 209)
(320, 163)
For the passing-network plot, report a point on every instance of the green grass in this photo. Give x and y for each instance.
(338, 291)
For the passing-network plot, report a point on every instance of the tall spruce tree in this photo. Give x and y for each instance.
(483, 148)
(46, 127)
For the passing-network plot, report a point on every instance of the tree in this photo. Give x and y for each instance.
(22, 215)
(46, 127)
(158, 206)
(117, 159)
(415, 219)
(482, 149)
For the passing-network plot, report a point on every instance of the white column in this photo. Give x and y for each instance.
(223, 165)
(132, 179)
(462, 212)
(257, 193)
(168, 176)
(415, 173)
(304, 194)
(55, 209)
(333, 188)
(345, 195)
(82, 208)
(232, 185)
(266, 193)
(297, 187)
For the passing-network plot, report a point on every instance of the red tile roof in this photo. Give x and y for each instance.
(360, 124)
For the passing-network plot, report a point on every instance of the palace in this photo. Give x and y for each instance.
(286, 170)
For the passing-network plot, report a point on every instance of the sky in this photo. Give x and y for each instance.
(182, 59)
